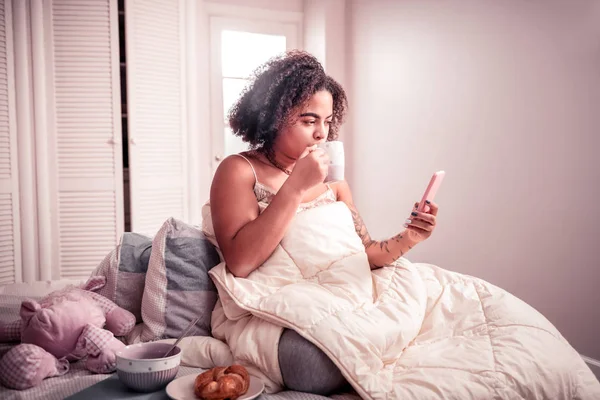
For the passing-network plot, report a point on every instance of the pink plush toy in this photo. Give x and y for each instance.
(67, 325)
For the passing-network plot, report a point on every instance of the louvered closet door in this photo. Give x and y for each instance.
(10, 249)
(156, 112)
(87, 131)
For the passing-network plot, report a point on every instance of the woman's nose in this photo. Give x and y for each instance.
(320, 131)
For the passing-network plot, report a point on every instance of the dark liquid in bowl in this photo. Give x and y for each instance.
(145, 353)
(150, 356)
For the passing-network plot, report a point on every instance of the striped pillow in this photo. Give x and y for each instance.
(178, 287)
(125, 271)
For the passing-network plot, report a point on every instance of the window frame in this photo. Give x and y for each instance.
(288, 24)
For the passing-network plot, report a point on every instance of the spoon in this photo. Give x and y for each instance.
(185, 331)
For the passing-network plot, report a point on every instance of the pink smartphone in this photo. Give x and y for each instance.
(432, 188)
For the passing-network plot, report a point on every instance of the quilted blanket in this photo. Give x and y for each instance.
(405, 331)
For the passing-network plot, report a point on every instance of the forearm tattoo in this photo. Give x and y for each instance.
(368, 242)
(360, 228)
(384, 243)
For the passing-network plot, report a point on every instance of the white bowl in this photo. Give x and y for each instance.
(143, 368)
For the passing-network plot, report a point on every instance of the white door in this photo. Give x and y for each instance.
(237, 48)
(10, 248)
(85, 161)
(156, 112)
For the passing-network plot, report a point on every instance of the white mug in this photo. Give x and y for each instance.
(335, 150)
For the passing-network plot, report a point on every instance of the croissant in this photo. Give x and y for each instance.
(222, 383)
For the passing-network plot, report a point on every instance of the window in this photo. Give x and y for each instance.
(238, 47)
(241, 54)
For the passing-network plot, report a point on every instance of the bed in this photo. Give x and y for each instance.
(74, 384)
(443, 334)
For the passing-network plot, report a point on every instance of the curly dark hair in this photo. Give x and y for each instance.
(277, 88)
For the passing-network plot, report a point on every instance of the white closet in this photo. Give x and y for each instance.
(61, 162)
(10, 249)
(156, 97)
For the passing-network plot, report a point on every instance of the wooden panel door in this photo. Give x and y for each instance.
(85, 149)
(155, 44)
(10, 237)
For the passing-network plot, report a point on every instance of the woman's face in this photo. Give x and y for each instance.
(308, 127)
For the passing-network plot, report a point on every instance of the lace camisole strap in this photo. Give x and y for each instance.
(251, 166)
(264, 194)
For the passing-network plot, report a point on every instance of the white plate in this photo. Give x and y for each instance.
(183, 388)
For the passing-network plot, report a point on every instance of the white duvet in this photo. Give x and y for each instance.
(407, 331)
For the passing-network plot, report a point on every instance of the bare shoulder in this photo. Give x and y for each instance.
(232, 199)
(233, 177)
(234, 169)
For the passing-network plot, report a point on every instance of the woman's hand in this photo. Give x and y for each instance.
(310, 170)
(420, 225)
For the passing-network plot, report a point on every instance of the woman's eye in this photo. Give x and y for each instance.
(310, 122)
(328, 122)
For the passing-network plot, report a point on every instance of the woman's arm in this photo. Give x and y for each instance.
(245, 236)
(385, 252)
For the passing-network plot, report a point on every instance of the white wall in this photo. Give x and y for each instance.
(325, 35)
(273, 5)
(505, 96)
(315, 29)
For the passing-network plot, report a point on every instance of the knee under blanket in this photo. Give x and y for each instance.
(406, 331)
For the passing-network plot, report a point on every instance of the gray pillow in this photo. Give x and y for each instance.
(178, 287)
(125, 271)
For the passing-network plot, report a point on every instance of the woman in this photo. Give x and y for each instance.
(290, 108)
